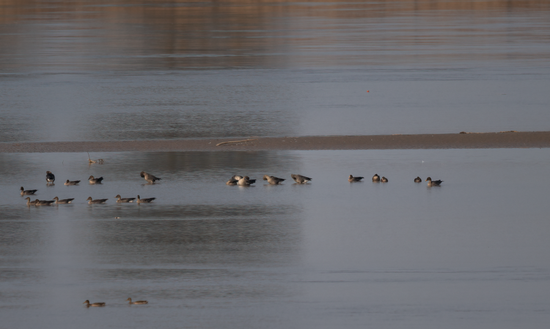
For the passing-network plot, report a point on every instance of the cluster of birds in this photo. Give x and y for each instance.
(50, 179)
(300, 179)
(101, 304)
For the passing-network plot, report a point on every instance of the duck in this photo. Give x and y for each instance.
(50, 178)
(433, 183)
(352, 179)
(96, 201)
(273, 180)
(123, 200)
(299, 179)
(245, 181)
(71, 182)
(29, 202)
(149, 178)
(43, 202)
(137, 302)
(88, 304)
(146, 200)
(384, 179)
(376, 178)
(94, 180)
(63, 201)
(418, 179)
(27, 192)
(232, 182)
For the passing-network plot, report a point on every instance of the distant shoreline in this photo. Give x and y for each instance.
(463, 140)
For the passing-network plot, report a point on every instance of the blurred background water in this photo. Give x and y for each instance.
(472, 253)
(125, 70)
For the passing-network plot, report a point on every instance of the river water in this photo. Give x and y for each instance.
(472, 253)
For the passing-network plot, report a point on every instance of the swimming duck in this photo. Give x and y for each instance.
(63, 201)
(94, 180)
(138, 302)
(29, 202)
(299, 179)
(376, 178)
(27, 192)
(149, 178)
(352, 179)
(123, 200)
(245, 181)
(147, 200)
(43, 202)
(418, 179)
(96, 201)
(384, 179)
(50, 178)
(88, 304)
(71, 182)
(433, 183)
(273, 180)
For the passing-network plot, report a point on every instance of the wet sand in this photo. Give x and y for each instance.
(366, 142)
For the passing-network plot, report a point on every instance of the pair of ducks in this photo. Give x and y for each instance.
(377, 179)
(55, 200)
(240, 181)
(429, 180)
(101, 304)
(121, 200)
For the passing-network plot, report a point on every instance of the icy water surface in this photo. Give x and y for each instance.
(470, 254)
(124, 70)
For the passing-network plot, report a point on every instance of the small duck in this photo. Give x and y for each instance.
(149, 178)
(123, 200)
(88, 304)
(71, 182)
(50, 178)
(299, 179)
(376, 178)
(245, 181)
(384, 179)
(29, 202)
(63, 201)
(433, 183)
(43, 202)
(147, 200)
(418, 179)
(273, 180)
(94, 180)
(352, 179)
(96, 201)
(138, 302)
(27, 192)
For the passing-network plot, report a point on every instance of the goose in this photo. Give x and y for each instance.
(63, 201)
(273, 180)
(43, 202)
(246, 181)
(29, 202)
(433, 183)
(123, 200)
(50, 178)
(27, 192)
(299, 179)
(72, 182)
(352, 179)
(149, 178)
(88, 304)
(96, 201)
(146, 200)
(376, 178)
(94, 180)
(418, 179)
(384, 179)
(137, 302)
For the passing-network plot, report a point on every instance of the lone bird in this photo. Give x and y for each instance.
(123, 200)
(273, 180)
(63, 201)
(96, 201)
(418, 179)
(384, 179)
(88, 304)
(376, 178)
(299, 179)
(50, 178)
(27, 192)
(146, 200)
(352, 179)
(71, 182)
(94, 180)
(149, 178)
(137, 302)
(433, 183)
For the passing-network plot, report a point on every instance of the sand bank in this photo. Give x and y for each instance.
(365, 142)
